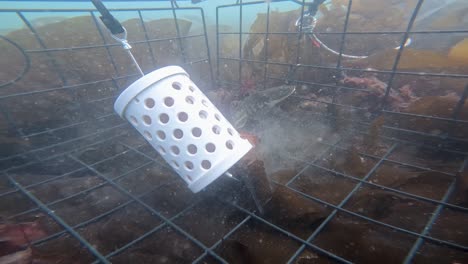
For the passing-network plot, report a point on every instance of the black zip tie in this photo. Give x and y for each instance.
(112, 24)
(313, 7)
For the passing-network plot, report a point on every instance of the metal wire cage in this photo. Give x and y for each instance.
(103, 195)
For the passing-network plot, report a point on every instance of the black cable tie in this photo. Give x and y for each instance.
(313, 7)
(112, 24)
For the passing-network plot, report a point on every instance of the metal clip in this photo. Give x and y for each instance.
(309, 25)
(127, 47)
(310, 22)
(123, 40)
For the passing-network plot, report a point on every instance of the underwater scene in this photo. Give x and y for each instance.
(234, 131)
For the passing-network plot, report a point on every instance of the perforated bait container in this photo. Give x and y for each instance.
(181, 123)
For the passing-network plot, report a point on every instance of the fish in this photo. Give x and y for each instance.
(258, 104)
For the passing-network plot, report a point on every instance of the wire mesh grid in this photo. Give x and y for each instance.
(160, 215)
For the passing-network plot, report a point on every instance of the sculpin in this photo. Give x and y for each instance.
(258, 104)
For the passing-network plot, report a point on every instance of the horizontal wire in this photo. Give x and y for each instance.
(65, 142)
(390, 160)
(98, 217)
(342, 203)
(65, 87)
(84, 191)
(392, 227)
(452, 75)
(433, 218)
(152, 231)
(289, 234)
(87, 10)
(383, 187)
(138, 200)
(60, 221)
(61, 154)
(367, 125)
(112, 45)
(69, 173)
(453, 31)
(250, 215)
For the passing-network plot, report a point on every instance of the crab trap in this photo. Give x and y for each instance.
(277, 131)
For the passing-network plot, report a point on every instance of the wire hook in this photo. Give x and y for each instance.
(309, 28)
(309, 24)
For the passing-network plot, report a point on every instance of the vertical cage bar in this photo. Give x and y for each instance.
(11, 122)
(111, 58)
(53, 61)
(300, 34)
(42, 44)
(240, 43)
(150, 232)
(205, 32)
(456, 113)
(153, 58)
(59, 220)
(342, 203)
(266, 46)
(343, 37)
(332, 108)
(427, 228)
(6, 112)
(459, 107)
(166, 220)
(218, 81)
(179, 39)
(98, 27)
(399, 53)
(318, 249)
(417, 245)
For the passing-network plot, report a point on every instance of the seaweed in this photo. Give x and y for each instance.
(459, 52)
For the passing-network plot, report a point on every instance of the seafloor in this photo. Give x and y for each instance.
(87, 200)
